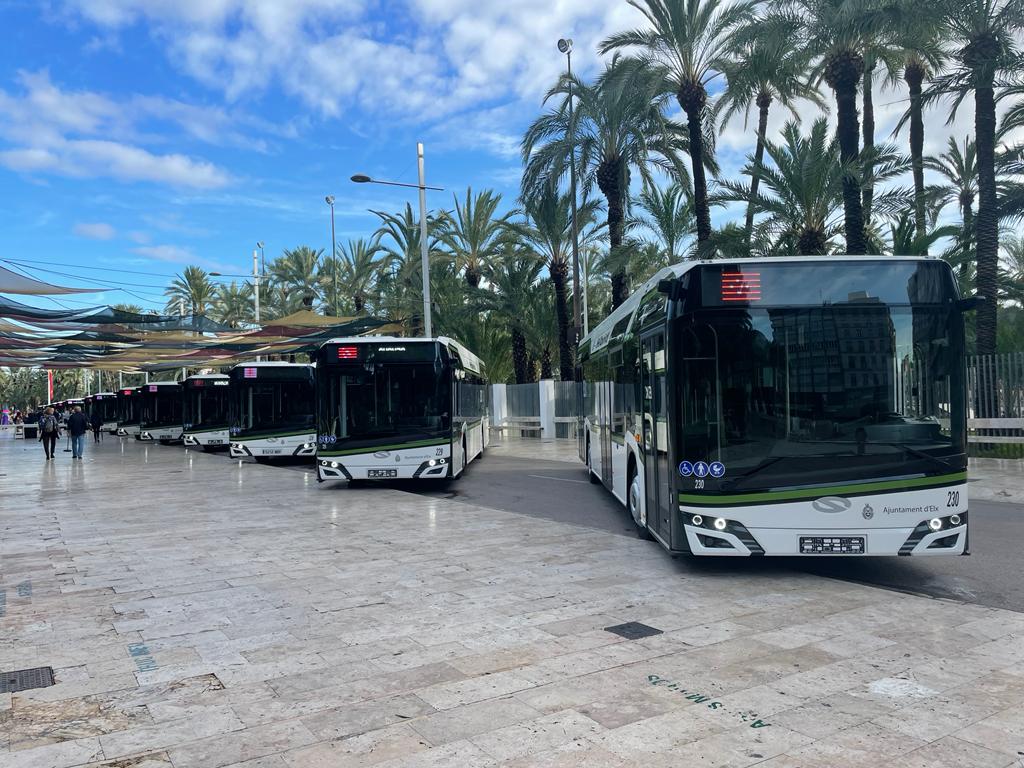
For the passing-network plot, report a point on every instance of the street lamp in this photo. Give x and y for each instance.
(334, 252)
(362, 178)
(256, 286)
(263, 262)
(565, 46)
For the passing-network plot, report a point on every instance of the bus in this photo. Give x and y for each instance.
(204, 411)
(271, 411)
(398, 408)
(128, 411)
(105, 404)
(160, 412)
(792, 406)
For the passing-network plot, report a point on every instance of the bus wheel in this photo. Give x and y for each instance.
(634, 501)
(465, 456)
(590, 466)
(483, 439)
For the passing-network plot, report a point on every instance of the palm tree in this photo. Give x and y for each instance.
(620, 127)
(400, 278)
(916, 54)
(233, 305)
(473, 233)
(838, 33)
(191, 289)
(358, 269)
(547, 229)
(513, 280)
(687, 42)
(294, 274)
(982, 34)
(767, 63)
(1012, 270)
(958, 167)
(907, 241)
(668, 213)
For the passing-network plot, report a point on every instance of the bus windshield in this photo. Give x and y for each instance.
(775, 394)
(272, 405)
(161, 409)
(364, 405)
(205, 407)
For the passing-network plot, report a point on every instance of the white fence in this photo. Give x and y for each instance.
(545, 409)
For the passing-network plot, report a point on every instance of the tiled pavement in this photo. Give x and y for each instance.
(201, 614)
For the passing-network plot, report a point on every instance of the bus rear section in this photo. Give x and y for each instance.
(393, 408)
(272, 411)
(160, 412)
(204, 402)
(791, 407)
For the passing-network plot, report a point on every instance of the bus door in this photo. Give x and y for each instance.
(701, 436)
(657, 473)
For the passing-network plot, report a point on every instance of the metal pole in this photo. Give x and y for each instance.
(334, 259)
(586, 294)
(572, 193)
(181, 311)
(256, 291)
(428, 327)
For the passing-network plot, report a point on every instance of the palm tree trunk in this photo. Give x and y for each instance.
(358, 302)
(616, 217)
(913, 73)
(559, 271)
(987, 221)
(519, 359)
(701, 207)
(764, 101)
(846, 113)
(472, 276)
(868, 129)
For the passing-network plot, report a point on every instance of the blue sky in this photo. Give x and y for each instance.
(145, 135)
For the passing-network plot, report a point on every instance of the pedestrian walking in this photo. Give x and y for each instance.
(97, 425)
(78, 425)
(49, 431)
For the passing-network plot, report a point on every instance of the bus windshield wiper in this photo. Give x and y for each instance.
(907, 450)
(730, 484)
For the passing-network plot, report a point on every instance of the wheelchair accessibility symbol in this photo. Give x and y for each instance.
(685, 469)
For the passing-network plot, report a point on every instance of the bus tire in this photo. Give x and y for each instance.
(483, 439)
(465, 455)
(590, 466)
(633, 501)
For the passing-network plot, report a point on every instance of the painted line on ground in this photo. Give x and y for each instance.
(559, 479)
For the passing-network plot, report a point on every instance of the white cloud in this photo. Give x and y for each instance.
(175, 254)
(95, 230)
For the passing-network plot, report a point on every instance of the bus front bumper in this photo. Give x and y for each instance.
(719, 536)
(243, 449)
(328, 468)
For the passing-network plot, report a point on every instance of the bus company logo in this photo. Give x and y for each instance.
(382, 454)
(391, 349)
(832, 504)
(868, 512)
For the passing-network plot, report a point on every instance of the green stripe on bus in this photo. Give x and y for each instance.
(777, 497)
(375, 448)
(207, 429)
(264, 435)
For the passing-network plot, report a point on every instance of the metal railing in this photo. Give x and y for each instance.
(995, 398)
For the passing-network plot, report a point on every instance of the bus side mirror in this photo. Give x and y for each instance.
(971, 303)
(671, 288)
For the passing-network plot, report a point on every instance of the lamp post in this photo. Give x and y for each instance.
(565, 46)
(334, 252)
(360, 178)
(256, 286)
(263, 261)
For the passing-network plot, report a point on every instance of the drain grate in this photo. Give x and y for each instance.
(23, 679)
(633, 630)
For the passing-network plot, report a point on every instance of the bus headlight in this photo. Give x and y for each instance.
(697, 520)
(720, 523)
(334, 465)
(431, 463)
(954, 519)
(935, 524)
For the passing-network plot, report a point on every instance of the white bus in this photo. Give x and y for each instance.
(128, 412)
(271, 412)
(399, 408)
(104, 404)
(159, 405)
(204, 411)
(792, 406)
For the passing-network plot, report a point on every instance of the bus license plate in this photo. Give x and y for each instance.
(382, 473)
(214, 442)
(271, 451)
(832, 545)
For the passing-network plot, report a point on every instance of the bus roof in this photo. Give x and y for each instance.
(600, 334)
(469, 360)
(206, 376)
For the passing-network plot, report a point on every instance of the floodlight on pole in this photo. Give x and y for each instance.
(565, 46)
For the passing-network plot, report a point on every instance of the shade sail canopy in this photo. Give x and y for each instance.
(12, 282)
(110, 339)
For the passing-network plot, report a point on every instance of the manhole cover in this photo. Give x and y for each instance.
(633, 630)
(23, 679)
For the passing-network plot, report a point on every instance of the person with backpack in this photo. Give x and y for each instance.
(78, 425)
(49, 431)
